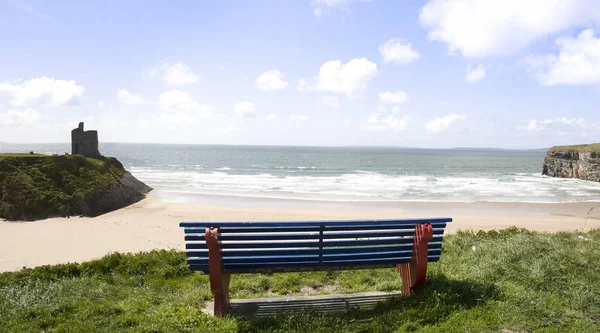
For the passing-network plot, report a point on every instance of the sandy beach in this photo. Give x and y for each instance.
(153, 224)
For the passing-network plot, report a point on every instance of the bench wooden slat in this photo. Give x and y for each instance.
(311, 261)
(264, 245)
(314, 235)
(309, 244)
(274, 224)
(313, 258)
(346, 227)
(309, 251)
(361, 249)
(378, 227)
(255, 237)
(364, 242)
(374, 255)
(241, 253)
(300, 268)
(225, 229)
(293, 258)
(339, 264)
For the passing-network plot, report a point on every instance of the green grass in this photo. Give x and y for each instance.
(593, 147)
(508, 281)
(34, 186)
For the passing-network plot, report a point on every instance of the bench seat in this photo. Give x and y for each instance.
(222, 248)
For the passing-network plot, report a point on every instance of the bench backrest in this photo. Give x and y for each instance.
(312, 245)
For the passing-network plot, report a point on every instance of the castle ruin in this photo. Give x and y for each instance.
(84, 142)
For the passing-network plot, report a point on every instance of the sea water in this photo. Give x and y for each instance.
(341, 173)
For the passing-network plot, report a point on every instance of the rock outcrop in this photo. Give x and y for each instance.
(581, 162)
(34, 187)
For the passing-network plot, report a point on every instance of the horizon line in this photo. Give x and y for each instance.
(279, 145)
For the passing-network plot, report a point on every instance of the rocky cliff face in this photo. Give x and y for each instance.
(34, 187)
(581, 162)
(122, 191)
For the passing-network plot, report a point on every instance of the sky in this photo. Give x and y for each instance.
(430, 74)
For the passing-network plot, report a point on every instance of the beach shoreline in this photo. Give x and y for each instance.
(576, 209)
(153, 223)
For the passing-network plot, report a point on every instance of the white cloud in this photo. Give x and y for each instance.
(299, 118)
(389, 97)
(19, 118)
(271, 117)
(533, 126)
(384, 109)
(379, 124)
(398, 52)
(577, 63)
(538, 125)
(271, 80)
(245, 109)
(177, 74)
(576, 129)
(182, 114)
(321, 7)
(100, 104)
(331, 101)
(303, 85)
(44, 91)
(480, 28)
(441, 124)
(128, 98)
(176, 101)
(349, 79)
(474, 74)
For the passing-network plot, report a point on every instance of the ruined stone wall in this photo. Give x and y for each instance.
(84, 142)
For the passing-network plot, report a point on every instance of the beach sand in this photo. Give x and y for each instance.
(153, 224)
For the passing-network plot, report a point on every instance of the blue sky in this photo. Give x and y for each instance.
(437, 73)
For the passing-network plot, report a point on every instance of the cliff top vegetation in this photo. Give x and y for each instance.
(593, 147)
(36, 186)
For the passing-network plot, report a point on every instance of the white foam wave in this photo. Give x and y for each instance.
(373, 186)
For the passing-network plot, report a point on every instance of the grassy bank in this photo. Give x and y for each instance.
(34, 186)
(507, 281)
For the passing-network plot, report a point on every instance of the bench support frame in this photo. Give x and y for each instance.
(219, 278)
(413, 274)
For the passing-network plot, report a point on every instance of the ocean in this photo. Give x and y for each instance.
(340, 173)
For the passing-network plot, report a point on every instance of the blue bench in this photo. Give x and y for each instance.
(222, 248)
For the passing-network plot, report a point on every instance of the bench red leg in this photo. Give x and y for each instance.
(219, 279)
(413, 274)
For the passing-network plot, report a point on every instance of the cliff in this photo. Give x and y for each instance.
(582, 161)
(34, 187)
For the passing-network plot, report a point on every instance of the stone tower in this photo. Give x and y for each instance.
(84, 142)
